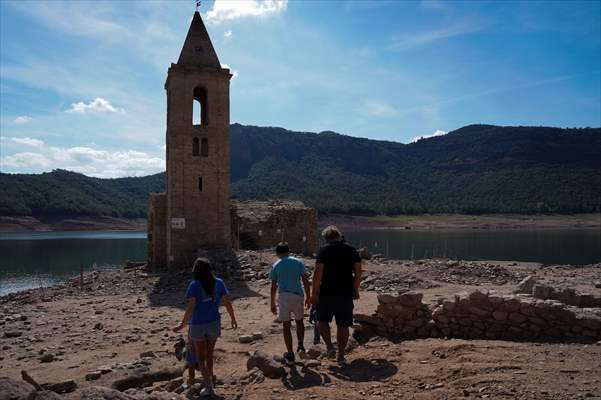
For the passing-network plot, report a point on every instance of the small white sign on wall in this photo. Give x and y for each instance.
(178, 223)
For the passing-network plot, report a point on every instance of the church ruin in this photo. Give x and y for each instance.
(196, 213)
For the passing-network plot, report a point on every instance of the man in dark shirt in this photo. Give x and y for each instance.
(335, 285)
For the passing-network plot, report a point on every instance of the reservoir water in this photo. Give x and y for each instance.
(39, 259)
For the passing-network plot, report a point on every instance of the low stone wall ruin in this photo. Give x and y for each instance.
(481, 315)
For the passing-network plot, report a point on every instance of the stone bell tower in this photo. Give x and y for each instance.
(198, 159)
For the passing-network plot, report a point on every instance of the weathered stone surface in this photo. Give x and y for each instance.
(526, 285)
(411, 299)
(11, 389)
(245, 338)
(145, 378)
(92, 376)
(47, 395)
(387, 298)
(267, 365)
(61, 387)
(103, 393)
(541, 291)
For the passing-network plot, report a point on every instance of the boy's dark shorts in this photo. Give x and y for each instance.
(340, 308)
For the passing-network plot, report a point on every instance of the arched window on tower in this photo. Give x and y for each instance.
(195, 147)
(199, 109)
(204, 147)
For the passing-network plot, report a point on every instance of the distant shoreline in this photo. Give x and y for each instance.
(345, 222)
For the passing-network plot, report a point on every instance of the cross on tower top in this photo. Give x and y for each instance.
(197, 5)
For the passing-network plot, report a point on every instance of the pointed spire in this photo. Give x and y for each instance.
(198, 50)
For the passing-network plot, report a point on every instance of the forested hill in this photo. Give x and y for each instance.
(475, 169)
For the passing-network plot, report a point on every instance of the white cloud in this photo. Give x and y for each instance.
(437, 133)
(25, 159)
(98, 104)
(227, 34)
(423, 38)
(22, 119)
(232, 71)
(379, 109)
(224, 10)
(28, 141)
(87, 160)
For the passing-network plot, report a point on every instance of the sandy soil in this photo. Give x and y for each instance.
(119, 315)
(458, 221)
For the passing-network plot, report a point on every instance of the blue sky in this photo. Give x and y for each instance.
(82, 83)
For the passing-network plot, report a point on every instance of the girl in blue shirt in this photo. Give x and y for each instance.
(204, 295)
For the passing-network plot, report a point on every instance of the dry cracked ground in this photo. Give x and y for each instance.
(117, 326)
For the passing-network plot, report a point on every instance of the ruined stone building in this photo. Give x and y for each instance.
(196, 213)
(262, 224)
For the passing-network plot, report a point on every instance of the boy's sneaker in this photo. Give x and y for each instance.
(289, 358)
(207, 391)
(331, 353)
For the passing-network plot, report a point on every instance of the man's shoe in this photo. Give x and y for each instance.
(289, 358)
(331, 353)
(341, 360)
(207, 391)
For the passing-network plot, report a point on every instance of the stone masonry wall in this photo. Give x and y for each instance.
(263, 224)
(483, 315)
(157, 230)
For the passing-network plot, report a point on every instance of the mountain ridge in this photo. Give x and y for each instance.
(474, 169)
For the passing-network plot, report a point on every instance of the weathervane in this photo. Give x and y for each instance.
(197, 5)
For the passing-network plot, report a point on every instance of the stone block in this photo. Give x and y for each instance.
(411, 299)
(517, 317)
(479, 312)
(541, 291)
(526, 285)
(499, 315)
(387, 298)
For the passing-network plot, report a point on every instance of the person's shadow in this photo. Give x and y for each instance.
(363, 370)
(308, 378)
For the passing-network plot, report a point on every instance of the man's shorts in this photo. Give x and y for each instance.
(289, 304)
(340, 308)
(208, 331)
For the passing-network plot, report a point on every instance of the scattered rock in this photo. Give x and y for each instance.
(102, 393)
(92, 376)
(312, 363)
(47, 357)
(98, 326)
(148, 354)
(315, 352)
(245, 338)
(67, 386)
(143, 379)
(526, 285)
(257, 336)
(12, 334)
(269, 367)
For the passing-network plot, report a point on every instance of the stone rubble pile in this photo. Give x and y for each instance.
(393, 280)
(565, 295)
(467, 272)
(482, 315)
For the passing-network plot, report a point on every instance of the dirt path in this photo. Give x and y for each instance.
(120, 315)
